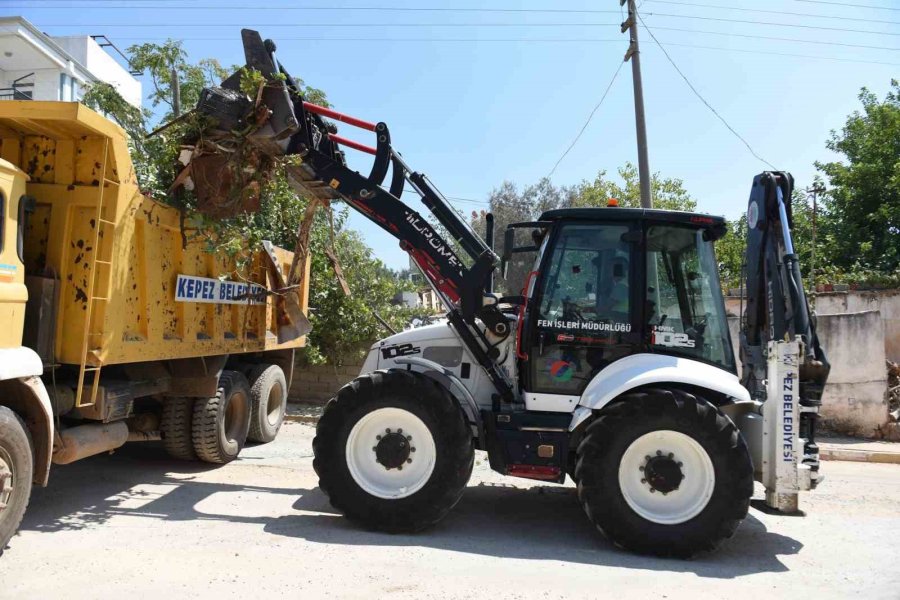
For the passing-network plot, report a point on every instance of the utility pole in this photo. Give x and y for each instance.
(814, 190)
(634, 54)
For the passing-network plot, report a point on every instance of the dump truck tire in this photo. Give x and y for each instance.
(268, 401)
(221, 423)
(176, 427)
(393, 451)
(664, 472)
(16, 472)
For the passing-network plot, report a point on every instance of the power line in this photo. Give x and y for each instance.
(326, 8)
(869, 6)
(775, 38)
(702, 99)
(385, 25)
(336, 24)
(456, 198)
(773, 12)
(771, 24)
(586, 123)
(529, 40)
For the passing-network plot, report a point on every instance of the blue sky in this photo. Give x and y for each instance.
(476, 111)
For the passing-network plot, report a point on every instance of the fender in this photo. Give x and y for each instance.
(644, 369)
(22, 367)
(455, 387)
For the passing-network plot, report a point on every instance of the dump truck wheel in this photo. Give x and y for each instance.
(268, 401)
(393, 451)
(664, 472)
(177, 432)
(16, 471)
(221, 423)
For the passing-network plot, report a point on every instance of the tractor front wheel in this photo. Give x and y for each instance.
(393, 451)
(664, 472)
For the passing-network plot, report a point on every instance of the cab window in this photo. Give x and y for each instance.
(583, 307)
(686, 311)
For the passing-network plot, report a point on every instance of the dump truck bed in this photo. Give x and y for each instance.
(129, 285)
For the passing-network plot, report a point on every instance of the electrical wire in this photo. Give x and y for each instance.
(869, 6)
(587, 122)
(772, 12)
(530, 40)
(459, 25)
(327, 8)
(702, 99)
(771, 24)
(775, 38)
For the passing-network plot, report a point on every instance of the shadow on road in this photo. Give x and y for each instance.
(541, 523)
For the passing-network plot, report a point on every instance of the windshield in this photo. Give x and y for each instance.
(686, 311)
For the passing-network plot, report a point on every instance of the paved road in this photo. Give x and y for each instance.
(138, 525)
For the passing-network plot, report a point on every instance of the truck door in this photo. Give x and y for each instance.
(582, 315)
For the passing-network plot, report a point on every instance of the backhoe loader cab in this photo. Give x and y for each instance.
(615, 367)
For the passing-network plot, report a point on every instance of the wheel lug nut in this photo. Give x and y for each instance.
(412, 449)
(647, 457)
(671, 455)
(374, 449)
(640, 468)
(652, 490)
(408, 460)
(680, 465)
(377, 437)
(409, 437)
(388, 430)
(665, 493)
(658, 452)
(643, 481)
(399, 431)
(400, 468)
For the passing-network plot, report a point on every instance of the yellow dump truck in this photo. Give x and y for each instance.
(114, 325)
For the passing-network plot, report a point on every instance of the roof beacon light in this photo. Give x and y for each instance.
(612, 202)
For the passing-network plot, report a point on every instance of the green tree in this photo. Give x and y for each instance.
(508, 205)
(861, 224)
(668, 193)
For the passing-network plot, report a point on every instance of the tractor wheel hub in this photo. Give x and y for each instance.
(392, 450)
(663, 473)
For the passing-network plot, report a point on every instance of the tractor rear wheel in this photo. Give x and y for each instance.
(664, 472)
(393, 451)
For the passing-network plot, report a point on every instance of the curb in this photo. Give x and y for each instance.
(870, 456)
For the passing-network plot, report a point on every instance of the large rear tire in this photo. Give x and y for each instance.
(16, 472)
(221, 423)
(393, 451)
(268, 402)
(176, 427)
(664, 472)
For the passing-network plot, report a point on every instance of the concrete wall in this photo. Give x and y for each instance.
(887, 302)
(854, 401)
(319, 383)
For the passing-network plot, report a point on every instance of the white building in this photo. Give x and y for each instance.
(36, 66)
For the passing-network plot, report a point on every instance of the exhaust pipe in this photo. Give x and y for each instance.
(80, 442)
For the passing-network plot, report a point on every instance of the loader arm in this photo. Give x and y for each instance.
(290, 126)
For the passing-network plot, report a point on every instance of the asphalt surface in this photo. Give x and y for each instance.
(137, 524)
